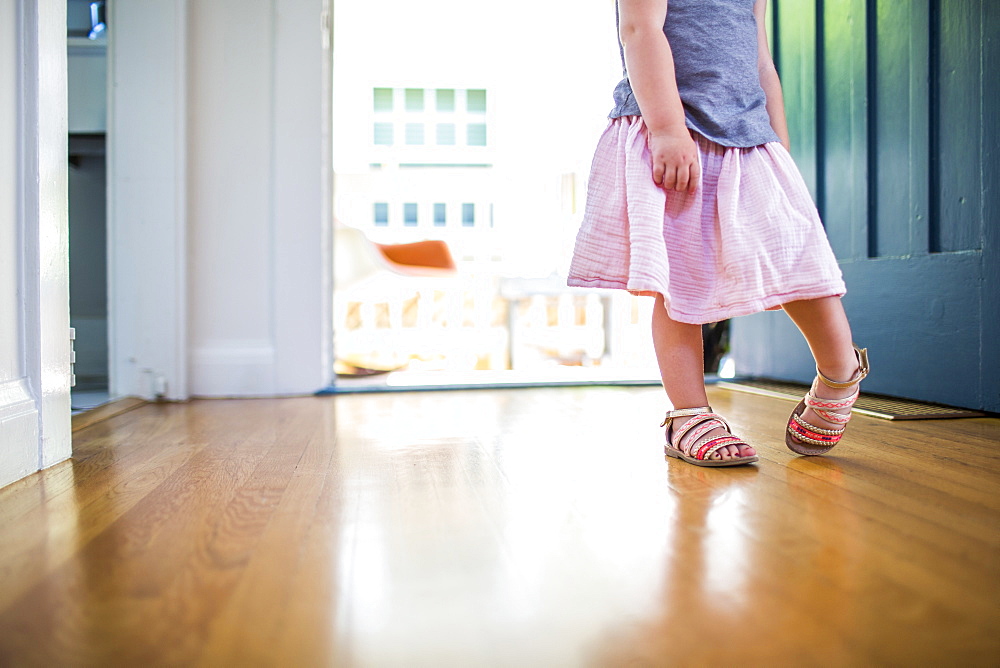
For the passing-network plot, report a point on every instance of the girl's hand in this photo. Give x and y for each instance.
(675, 160)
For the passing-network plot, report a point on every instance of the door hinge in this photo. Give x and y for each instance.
(72, 356)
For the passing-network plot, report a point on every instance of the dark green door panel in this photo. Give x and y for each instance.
(894, 125)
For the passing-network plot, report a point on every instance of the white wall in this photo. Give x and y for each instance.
(34, 268)
(220, 220)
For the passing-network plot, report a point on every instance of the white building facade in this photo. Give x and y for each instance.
(471, 123)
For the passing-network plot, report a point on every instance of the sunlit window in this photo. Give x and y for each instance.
(468, 214)
(414, 134)
(440, 214)
(475, 134)
(475, 101)
(445, 99)
(414, 99)
(381, 214)
(410, 214)
(383, 99)
(383, 134)
(446, 134)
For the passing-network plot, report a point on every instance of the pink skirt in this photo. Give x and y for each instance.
(749, 239)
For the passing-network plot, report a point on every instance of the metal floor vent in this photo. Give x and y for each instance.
(873, 405)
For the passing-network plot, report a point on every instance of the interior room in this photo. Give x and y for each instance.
(290, 373)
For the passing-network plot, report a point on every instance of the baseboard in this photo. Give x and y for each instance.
(18, 431)
(245, 369)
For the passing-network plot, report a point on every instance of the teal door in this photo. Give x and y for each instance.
(893, 120)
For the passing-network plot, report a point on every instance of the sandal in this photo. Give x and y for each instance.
(808, 439)
(702, 421)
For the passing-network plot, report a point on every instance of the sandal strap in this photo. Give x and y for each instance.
(684, 412)
(862, 355)
(695, 428)
(707, 448)
(809, 433)
(699, 425)
(826, 408)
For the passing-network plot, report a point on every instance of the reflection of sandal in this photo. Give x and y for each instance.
(808, 439)
(702, 421)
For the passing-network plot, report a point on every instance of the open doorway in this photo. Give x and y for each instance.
(476, 143)
(87, 104)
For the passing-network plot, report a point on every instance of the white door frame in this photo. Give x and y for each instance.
(35, 421)
(147, 199)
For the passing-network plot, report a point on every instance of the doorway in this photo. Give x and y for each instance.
(87, 104)
(478, 146)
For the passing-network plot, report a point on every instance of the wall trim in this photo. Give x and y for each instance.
(234, 369)
(19, 423)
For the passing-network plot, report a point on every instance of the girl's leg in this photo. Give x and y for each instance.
(681, 360)
(825, 327)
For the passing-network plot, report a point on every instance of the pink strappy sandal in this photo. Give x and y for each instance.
(808, 439)
(702, 421)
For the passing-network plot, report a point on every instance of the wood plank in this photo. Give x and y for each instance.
(517, 527)
(105, 412)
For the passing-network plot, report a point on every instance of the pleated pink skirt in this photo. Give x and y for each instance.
(749, 239)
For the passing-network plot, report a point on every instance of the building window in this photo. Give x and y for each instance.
(475, 134)
(468, 215)
(445, 99)
(383, 134)
(410, 214)
(445, 134)
(440, 214)
(381, 214)
(414, 134)
(475, 101)
(414, 99)
(383, 99)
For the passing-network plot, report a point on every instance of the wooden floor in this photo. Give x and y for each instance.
(499, 528)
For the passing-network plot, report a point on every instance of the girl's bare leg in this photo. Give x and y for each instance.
(825, 327)
(681, 360)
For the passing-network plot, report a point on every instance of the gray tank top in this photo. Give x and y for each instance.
(714, 43)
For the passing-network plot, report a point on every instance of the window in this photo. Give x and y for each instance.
(445, 99)
(475, 101)
(468, 215)
(440, 214)
(414, 99)
(383, 99)
(414, 134)
(475, 134)
(410, 214)
(383, 134)
(381, 214)
(445, 134)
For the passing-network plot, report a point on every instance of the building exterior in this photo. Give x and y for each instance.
(481, 137)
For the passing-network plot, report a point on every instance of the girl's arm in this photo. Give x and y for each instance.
(650, 65)
(769, 77)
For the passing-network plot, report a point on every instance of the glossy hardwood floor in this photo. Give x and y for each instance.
(499, 528)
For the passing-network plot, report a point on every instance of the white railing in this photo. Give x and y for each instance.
(490, 323)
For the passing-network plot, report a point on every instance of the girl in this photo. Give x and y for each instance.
(694, 199)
